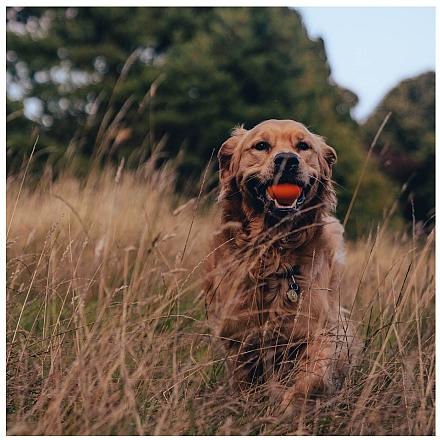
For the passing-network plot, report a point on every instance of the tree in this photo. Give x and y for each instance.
(406, 151)
(120, 81)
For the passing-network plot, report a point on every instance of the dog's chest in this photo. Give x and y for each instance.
(295, 287)
(286, 285)
(286, 277)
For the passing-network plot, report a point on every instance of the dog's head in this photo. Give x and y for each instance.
(276, 152)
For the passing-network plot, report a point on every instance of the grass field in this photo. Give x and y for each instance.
(106, 330)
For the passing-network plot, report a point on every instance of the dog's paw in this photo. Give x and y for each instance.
(293, 402)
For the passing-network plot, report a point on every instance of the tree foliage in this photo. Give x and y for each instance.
(406, 151)
(120, 82)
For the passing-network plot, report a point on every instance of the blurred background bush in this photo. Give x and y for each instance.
(102, 84)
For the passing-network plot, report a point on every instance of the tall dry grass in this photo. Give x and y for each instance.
(106, 330)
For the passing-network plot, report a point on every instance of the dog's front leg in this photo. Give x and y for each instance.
(313, 373)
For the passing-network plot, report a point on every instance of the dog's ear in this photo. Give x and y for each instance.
(329, 154)
(226, 152)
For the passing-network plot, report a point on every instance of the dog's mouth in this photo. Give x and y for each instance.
(282, 198)
(286, 196)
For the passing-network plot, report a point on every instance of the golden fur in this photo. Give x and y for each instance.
(298, 346)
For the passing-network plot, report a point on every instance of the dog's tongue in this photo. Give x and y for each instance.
(284, 193)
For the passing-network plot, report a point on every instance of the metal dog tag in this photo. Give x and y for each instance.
(293, 291)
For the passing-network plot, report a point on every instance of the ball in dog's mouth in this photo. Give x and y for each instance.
(286, 196)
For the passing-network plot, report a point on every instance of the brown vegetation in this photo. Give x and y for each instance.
(106, 329)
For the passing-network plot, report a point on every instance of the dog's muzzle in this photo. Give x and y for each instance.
(264, 201)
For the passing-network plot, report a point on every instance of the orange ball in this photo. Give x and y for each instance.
(284, 193)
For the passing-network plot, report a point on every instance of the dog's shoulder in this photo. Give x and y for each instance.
(333, 235)
(333, 227)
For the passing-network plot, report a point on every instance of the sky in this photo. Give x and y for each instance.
(371, 49)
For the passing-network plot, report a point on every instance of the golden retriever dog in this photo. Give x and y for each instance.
(272, 297)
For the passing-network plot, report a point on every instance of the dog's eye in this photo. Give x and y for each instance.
(302, 145)
(262, 146)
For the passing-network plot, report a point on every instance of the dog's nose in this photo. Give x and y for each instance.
(286, 162)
